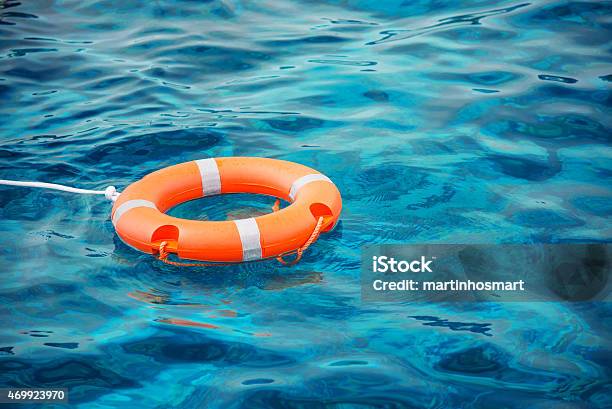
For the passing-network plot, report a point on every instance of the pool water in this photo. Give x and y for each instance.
(439, 121)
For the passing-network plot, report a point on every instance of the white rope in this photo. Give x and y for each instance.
(110, 192)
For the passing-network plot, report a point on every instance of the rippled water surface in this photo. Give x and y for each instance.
(440, 121)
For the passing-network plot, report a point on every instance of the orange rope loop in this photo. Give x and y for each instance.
(314, 236)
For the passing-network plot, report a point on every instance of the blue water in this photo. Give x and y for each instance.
(440, 121)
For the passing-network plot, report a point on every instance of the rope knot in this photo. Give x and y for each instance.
(111, 193)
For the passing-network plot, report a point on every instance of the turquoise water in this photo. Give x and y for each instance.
(440, 121)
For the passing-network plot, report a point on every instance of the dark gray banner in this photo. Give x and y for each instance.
(462, 272)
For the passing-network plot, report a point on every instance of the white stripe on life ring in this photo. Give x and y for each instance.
(249, 236)
(304, 180)
(129, 205)
(211, 180)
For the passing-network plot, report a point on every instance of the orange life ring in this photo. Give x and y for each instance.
(140, 220)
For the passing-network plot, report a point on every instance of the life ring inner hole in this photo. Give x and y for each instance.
(227, 206)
